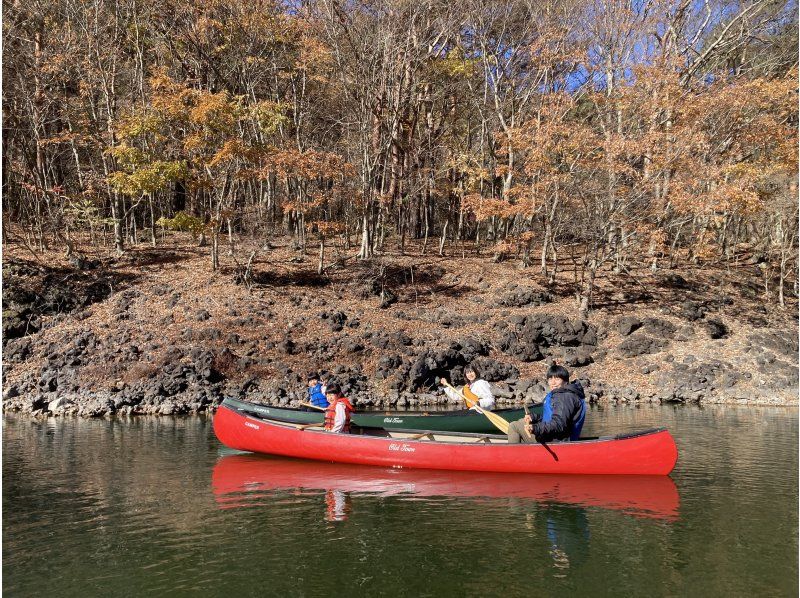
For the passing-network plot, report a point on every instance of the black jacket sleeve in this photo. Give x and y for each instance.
(555, 428)
(564, 404)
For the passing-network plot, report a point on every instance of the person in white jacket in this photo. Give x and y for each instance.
(477, 389)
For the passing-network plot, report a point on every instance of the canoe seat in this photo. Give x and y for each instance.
(418, 436)
(484, 438)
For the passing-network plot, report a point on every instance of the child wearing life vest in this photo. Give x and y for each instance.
(337, 415)
(476, 389)
(316, 391)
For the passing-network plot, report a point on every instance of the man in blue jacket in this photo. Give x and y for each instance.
(562, 415)
(316, 391)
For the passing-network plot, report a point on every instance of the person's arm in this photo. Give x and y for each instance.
(483, 391)
(340, 418)
(450, 392)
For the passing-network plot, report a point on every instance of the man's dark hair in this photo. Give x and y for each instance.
(558, 371)
(333, 388)
(312, 376)
(473, 368)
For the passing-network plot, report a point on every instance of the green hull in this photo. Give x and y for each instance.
(440, 421)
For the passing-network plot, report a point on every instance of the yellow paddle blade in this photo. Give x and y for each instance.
(500, 423)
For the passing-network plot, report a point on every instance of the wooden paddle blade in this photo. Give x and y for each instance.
(498, 421)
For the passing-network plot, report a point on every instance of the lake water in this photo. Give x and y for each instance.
(155, 506)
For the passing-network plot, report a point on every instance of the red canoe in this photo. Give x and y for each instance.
(244, 480)
(645, 453)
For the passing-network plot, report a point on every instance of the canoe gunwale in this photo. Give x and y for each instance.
(246, 405)
(472, 435)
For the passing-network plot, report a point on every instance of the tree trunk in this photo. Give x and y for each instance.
(321, 264)
(444, 237)
(152, 221)
(587, 290)
(366, 251)
(215, 248)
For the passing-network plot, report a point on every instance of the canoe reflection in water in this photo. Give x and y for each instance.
(242, 480)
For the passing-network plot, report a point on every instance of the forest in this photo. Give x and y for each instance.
(606, 135)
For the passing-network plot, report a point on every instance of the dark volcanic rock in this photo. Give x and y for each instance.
(388, 298)
(161, 289)
(423, 369)
(576, 356)
(658, 327)
(17, 350)
(81, 262)
(336, 321)
(494, 371)
(641, 345)
(511, 344)
(533, 337)
(387, 366)
(444, 318)
(693, 311)
(522, 297)
(716, 329)
(288, 346)
(352, 346)
(19, 322)
(625, 325)
(784, 343)
(676, 281)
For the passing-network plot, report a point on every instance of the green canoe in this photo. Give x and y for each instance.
(462, 420)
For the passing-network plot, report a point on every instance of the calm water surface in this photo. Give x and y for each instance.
(158, 507)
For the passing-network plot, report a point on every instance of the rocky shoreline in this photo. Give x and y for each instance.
(75, 343)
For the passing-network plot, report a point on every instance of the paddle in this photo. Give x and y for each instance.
(525, 407)
(304, 426)
(498, 421)
(544, 444)
(304, 404)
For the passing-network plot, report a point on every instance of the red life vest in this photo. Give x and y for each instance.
(330, 414)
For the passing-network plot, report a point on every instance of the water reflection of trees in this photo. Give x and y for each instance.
(112, 465)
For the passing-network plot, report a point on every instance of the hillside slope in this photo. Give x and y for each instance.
(155, 331)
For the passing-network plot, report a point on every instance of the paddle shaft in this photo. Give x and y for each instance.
(304, 404)
(498, 421)
(525, 407)
(315, 425)
(549, 450)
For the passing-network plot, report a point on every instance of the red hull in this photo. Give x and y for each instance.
(239, 480)
(653, 453)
